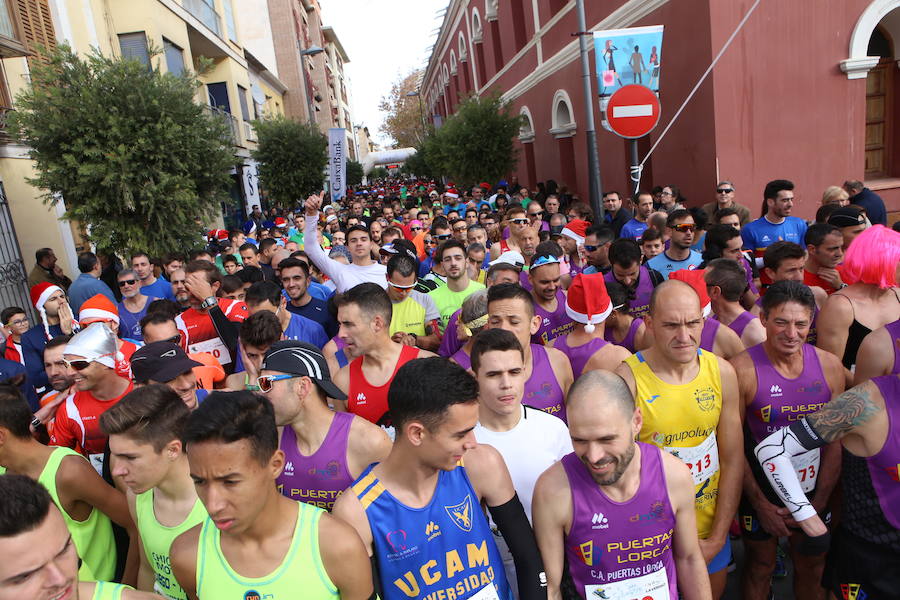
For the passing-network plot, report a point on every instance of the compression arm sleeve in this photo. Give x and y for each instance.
(227, 330)
(516, 530)
(774, 454)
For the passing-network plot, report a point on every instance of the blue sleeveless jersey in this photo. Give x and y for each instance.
(442, 551)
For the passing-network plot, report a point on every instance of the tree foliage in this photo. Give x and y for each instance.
(474, 144)
(135, 159)
(378, 173)
(354, 172)
(404, 118)
(292, 158)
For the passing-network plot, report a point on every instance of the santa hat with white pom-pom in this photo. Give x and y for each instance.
(587, 301)
(99, 309)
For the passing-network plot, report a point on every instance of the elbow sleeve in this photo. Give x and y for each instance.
(774, 455)
(516, 530)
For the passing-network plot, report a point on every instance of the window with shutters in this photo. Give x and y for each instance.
(11, 42)
(242, 98)
(174, 57)
(134, 47)
(37, 27)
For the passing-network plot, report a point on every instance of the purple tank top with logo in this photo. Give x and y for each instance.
(317, 479)
(884, 466)
(542, 390)
(463, 359)
(893, 330)
(779, 401)
(621, 549)
(708, 335)
(553, 324)
(740, 323)
(640, 304)
(627, 341)
(579, 355)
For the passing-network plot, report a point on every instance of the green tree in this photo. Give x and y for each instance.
(354, 172)
(135, 159)
(403, 122)
(378, 173)
(476, 143)
(292, 158)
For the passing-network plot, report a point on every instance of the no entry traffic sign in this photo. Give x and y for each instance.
(632, 111)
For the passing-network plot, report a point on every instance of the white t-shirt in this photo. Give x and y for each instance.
(529, 448)
(343, 276)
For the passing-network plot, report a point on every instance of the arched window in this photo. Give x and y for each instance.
(453, 62)
(461, 44)
(477, 28)
(562, 118)
(526, 130)
(491, 8)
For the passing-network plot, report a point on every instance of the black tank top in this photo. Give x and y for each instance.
(866, 520)
(855, 335)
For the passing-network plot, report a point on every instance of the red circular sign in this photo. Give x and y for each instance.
(632, 111)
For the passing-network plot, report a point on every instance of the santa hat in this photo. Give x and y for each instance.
(576, 229)
(280, 221)
(249, 227)
(96, 343)
(97, 308)
(587, 301)
(451, 193)
(222, 235)
(39, 296)
(696, 279)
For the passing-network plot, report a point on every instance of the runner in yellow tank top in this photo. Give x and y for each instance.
(144, 429)
(256, 543)
(39, 556)
(689, 403)
(86, 501)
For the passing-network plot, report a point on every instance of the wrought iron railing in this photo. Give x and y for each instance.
(230, 121)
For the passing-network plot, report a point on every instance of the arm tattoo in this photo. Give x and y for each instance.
(837, 418)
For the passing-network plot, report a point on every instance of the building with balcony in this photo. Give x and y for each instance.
(237, 88)
(803, 93)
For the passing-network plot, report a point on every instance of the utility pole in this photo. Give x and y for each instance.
(585, 38)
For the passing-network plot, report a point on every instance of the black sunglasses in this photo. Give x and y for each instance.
(443, 237)
(125, 282)
(724, 190)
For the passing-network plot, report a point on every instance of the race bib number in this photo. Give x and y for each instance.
(96, 461)
(702, 459)
(488, 592)
(807, 467)
(652, 586)
(214, 346)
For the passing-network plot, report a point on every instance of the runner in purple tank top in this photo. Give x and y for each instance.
(548, 370)
(625, 256)
(588, 305)
(324, 451)
(549, 299)
(726, 284)
(620, 512)
(620, 327)
(879, 353)
(865, 553)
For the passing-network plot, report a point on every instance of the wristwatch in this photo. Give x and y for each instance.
(209, 303)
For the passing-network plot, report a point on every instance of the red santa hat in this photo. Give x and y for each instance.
(696, 279)
(587, 301)
(451, 193)
(39, 296)
(97, 308)
(576, 229)
(280, 221)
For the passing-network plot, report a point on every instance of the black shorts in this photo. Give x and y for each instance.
(751, 527)
(859, 570)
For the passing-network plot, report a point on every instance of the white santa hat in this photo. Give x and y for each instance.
(587, 301)
(451, 193)
(96, 343)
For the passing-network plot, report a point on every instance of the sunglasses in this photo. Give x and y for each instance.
(81, 365)
(443, 237)
(724, 191)
(684, 227)
(536, 214)
(521, 221)
(125, 282)
(588, 248)
(400, 287)
(265, 381)
(175, 339)
(431, 242)
(415, 229)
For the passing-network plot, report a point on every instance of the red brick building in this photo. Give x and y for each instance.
(807, 91)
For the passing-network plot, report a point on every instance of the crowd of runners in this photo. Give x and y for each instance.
(425, 391)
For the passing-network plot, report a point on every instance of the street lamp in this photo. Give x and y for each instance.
(307, 88)
(421, 114)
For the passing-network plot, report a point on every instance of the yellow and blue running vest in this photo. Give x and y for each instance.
(109, 591)
(443, 550)
(300, 575)
(157, 539)
(682, 420)
(93, 537)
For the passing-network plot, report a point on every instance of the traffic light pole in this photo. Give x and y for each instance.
(594, 186)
